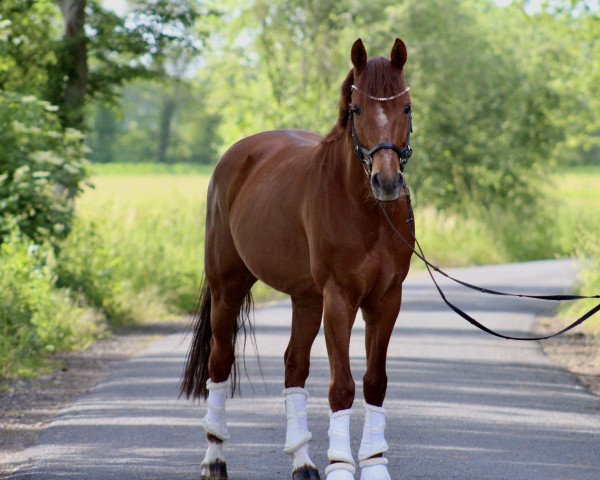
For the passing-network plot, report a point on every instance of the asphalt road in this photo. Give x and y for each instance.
(461, 404)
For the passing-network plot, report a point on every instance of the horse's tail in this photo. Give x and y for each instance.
(195, 374)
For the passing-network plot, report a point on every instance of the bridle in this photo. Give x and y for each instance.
(364, 155)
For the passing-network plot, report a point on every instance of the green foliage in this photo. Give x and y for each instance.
(41, 168)
(27, 29)
(36, 318)
(87, 267)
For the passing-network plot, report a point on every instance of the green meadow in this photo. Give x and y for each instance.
(150, 219)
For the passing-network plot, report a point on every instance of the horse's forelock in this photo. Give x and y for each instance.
(380, 78)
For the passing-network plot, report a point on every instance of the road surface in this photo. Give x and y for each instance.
(461, 404)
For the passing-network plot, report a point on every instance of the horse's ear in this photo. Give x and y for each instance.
(359, 56)
(399, 54)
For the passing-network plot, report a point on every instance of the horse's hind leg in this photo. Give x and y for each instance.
(306, 321)
(229, 292)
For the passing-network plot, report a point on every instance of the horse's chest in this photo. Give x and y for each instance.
(363, 264)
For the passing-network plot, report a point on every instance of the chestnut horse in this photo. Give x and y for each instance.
(295, 210)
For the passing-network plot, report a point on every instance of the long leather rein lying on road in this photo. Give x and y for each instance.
(466, 316)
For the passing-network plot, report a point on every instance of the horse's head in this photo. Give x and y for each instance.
(379, 118)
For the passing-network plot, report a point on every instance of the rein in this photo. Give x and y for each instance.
(365, 156)
(430, 266)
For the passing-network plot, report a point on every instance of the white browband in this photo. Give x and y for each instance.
(381, 99)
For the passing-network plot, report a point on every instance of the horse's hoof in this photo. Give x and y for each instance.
(213, 471)
(307, 473)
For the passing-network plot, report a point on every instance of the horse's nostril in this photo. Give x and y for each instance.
(375, 181)
(399, 180)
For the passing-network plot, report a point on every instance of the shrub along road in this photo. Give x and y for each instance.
(461, 404)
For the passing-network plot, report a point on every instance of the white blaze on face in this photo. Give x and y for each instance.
(382, 121)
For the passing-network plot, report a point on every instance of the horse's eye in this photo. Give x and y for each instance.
(407, 109)
(356, 109)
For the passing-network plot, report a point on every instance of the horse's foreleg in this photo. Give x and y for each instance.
(306, 321)
(339, 314)
(379, 322)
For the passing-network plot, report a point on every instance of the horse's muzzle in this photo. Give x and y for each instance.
(387, 189)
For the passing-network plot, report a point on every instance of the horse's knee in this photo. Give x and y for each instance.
(341, 394)
(374, 387)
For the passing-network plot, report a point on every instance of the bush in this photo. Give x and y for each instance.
(41, 168)
(87, 267)
(36, 318)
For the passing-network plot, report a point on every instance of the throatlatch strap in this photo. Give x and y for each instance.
(421, 255)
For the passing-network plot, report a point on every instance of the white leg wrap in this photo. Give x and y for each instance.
(339, 437)
(215, 421)
(373, 441)
(374, 469)
(297, 433)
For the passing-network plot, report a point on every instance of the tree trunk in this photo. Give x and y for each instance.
(167, 113)
(105, 129)
(73, 63)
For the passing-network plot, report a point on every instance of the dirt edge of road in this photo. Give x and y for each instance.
(577, 351)
(28, 406)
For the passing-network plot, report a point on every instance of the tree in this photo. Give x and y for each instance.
(101, 50)
(96, 52)
(103, 134)
(73, 63)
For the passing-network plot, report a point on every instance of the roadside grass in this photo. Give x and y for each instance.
(578, 231)
(145, 259)
(37, 318)
(148, 221)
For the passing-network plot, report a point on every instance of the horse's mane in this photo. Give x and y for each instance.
(379, 78)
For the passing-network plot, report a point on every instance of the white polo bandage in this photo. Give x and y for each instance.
(374, 469)
(340, 471)
(339, 437)
(373, 440)
(215, 421)
(297, 433)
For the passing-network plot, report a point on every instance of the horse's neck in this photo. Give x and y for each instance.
(347, 173)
